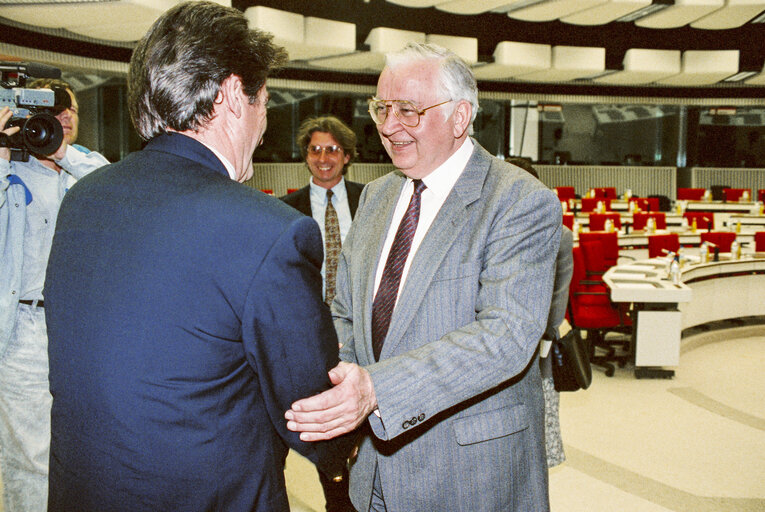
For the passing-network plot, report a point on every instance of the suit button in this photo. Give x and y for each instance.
(421, 417)
(405, 425)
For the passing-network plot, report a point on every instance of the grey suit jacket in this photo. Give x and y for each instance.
(461, 408)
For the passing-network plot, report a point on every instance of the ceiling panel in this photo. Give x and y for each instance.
(680, 14)
(643, 66)
(512, 59)
(605, 13)
(551, 10)
(380, 40)
(475, 6)
(735, 14)
(704, 68)
(570, 63)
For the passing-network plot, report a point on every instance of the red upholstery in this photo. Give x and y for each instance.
(722, 239)
(609, 243)
(604, 192)
(690, 194)
(291, 190)
(640, 219)
(590, 203)
(668, 241)
(759, 241)
(568, 220)
(598, 221)
(733, 195)
(565, 193)
(761, 195)
(704, 220)
(268, 191)
(646, 204)
(590, 305)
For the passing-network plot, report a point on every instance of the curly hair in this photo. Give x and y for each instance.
(335, 127)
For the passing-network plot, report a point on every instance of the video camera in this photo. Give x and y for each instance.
(34, 110)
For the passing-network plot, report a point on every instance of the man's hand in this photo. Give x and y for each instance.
(5, 116)
(336, 411)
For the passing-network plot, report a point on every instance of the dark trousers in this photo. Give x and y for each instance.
(336, 493)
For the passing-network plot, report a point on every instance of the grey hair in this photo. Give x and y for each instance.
(455, 81)
(178, 67)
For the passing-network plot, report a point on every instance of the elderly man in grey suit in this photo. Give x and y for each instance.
(444, 287)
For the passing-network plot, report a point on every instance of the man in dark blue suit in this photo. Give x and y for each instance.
(184, 309)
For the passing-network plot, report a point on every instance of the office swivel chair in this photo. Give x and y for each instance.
(565, 193)
(604, 192)
(722, 239)
(568, 220)
(646, 204)
(704, 220)
(761, 195)
(733, 195)
(690, 194)
(589, 204)
(640, 219)
(590, 310)
(598, 220)
(759, 241)
(657, 244)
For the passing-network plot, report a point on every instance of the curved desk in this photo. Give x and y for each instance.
(717, 290)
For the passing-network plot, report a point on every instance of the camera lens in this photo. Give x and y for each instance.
(42, 134)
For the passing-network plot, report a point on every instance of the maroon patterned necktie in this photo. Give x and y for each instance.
(385, 300)
(331, 249)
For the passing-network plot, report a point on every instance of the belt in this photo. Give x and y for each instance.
(38, 303)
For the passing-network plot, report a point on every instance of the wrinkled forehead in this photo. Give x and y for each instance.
(415, 81)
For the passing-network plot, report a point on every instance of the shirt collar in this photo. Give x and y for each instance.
(228, 165)
(441, 181)
(320, 192)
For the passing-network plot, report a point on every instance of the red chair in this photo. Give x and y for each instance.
(598, 221)
(733, 195)
(291, 190)
(640, 219)
(704, 220)
(268, 191)
(722, 239)
(565, 193)
(568, 220)
(610, 249)
(691, 194)
(589, 204)
(759, 241)
(590, 309)
(646, 204)
(657, 244)
(604, 192)
(761, 195)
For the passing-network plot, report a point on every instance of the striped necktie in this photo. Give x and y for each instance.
(385, 299)
(332, 246)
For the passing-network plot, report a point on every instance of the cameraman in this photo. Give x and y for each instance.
(30, 195)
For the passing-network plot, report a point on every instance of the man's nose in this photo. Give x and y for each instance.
(391, 123)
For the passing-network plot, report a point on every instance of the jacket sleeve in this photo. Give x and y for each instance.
(78, 163)
(289, 337)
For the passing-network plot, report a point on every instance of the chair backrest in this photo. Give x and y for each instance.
(668, 241)
(604, 192)
(722, 239)
(589, 306)
(589, 204)
(640, 219)
(664, 203)
(690, 194)
(609, 243)
(597, 221)
(646, 204)
(733, 195)
(704, 220)
(565, 193)
(761, 195)
(759, 241)
(568, 220)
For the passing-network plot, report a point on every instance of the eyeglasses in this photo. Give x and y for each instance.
(330, 150)
(405, 111)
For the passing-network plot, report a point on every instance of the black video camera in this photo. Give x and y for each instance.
(34, 110)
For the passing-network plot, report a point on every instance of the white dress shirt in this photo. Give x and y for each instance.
(439, 184)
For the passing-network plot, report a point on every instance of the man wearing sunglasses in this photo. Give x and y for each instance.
(329, 147)
(444, 288)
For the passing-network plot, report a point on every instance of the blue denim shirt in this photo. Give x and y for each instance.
(15, 197)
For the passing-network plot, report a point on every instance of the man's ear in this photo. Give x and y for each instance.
(461, 116)
(230, 95)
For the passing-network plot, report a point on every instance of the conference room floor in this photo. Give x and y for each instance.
(695, 443)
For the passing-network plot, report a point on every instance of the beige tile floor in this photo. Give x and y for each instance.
(695, 443)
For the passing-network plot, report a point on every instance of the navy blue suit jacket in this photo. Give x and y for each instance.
(184, 316)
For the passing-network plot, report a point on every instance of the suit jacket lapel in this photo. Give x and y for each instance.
(437, 242)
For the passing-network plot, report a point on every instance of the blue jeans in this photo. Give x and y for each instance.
(25, 404)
